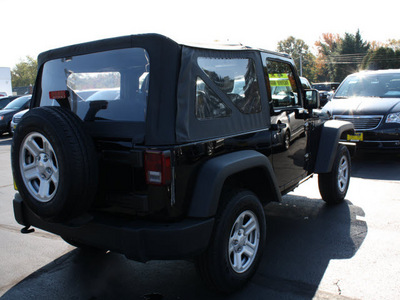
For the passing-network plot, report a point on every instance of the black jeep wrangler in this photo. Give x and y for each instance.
(159, 150)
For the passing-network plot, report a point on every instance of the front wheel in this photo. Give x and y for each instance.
(237, 245)
(333, 186)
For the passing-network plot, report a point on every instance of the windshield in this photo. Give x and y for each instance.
(3, 102)
(18, 103)
(386, 85)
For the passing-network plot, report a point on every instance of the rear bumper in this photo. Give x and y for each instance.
(138, 240)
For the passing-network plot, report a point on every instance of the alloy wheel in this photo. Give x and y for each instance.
(39, 167)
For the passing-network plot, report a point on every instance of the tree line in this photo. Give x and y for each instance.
(336, 57)
(24, 72)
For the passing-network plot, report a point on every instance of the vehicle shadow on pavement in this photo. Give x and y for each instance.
(376, 165)
(303, 236)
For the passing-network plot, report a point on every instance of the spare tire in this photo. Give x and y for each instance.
(54, 162)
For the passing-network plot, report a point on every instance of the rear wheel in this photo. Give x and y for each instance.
(333, 186)
(237, 245)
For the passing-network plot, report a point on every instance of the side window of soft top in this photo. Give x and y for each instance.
(281, 84)
(236, 78)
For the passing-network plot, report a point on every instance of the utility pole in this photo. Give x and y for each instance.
(301, 65)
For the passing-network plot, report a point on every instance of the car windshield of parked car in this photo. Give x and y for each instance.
(3, 103)
(322, 87)
(18, 103)
(386, 85)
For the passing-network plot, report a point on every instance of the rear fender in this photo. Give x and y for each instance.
(214, 173)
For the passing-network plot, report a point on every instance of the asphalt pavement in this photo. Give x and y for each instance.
(313, 251)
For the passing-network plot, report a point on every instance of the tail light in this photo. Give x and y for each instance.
(57, 95)
(158, 167)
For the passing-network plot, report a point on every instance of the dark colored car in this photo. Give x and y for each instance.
(371, 101)
(305, 83)
(16, 118)
(174, 156)
(10, 109)
(326, 90)
(5, 100)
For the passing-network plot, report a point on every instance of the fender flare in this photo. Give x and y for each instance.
(214, 172)
(331, 132)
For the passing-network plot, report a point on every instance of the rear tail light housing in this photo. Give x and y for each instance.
(158, 167)
(58, 95)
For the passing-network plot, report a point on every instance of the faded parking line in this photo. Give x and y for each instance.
(7, 185)
(40, 233)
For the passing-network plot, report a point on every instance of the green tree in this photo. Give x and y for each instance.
(339, 57)
(296, 48)
(382, 58)
(351, 53)
(24, 73)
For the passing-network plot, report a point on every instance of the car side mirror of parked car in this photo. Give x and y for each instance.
(311, 99)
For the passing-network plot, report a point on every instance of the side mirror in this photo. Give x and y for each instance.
(311, 99)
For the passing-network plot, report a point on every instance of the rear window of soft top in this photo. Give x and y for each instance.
(110, 85)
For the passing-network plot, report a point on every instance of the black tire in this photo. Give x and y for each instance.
(216, 265)
(54, 163)
(333, 186)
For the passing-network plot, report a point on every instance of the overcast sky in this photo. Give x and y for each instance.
(33, 26)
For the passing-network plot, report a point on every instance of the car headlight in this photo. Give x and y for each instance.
(393, 118)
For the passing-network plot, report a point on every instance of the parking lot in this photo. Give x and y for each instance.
(350, 251)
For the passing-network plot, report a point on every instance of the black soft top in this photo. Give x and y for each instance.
(147, 41)
(166, 124)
